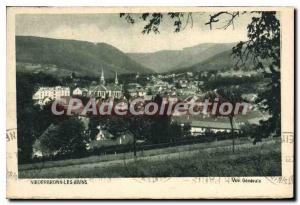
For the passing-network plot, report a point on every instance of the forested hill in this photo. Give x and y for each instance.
(170, 60)
(221, 61)
(66, 56)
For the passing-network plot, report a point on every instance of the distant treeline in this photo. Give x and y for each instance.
(219, 81)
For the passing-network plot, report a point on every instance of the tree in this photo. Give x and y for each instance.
(31, 119)
(161, 124)
(117, 125)
(186, 130)
(180, 20)
(126, 92)
(65, 138)
(160, 128)
(93, 124)
(233, 96)
(249, 130)
(140, 127)
(175, 132)
(263, 46)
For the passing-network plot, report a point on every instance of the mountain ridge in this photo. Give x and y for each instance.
(87, 58)
(220, 61)
(82, 57)
(170, 60)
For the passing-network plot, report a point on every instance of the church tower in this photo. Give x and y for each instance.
(102, 80)
(116, 79)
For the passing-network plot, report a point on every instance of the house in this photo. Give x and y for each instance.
(183, 83)
(116, 91)
(36, 150)
(204, 123)
(45, 94)
(126, 138)
(99, 91)
(80, 92)
(103, 135)
(160, 85)
(190, 74)
(200, 127)
(141, 92)
(148, 97)
(135, 90)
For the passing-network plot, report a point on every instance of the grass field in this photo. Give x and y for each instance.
(129, 155)
(186, 161)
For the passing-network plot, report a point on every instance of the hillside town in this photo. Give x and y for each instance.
(173, 87)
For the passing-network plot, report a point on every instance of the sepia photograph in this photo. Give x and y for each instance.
(149, 94)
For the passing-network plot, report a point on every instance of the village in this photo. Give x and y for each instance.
(173, 87)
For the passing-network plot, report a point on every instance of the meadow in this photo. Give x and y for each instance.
(263, 159)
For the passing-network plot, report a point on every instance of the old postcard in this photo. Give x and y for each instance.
(150, 102)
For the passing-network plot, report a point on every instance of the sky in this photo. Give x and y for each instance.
(111, 29)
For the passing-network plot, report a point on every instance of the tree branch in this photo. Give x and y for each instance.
(215, 18)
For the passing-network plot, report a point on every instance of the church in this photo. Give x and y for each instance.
(104, 90)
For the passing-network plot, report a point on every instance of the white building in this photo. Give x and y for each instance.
(200, 127)
(201, 124)
(50, 93)
(80, 91)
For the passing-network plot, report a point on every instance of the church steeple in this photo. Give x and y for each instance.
(102, 80)
(116, 79)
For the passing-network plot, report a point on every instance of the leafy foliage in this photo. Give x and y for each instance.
(67, 137)
(31, 120)
(263, 47)
(180, 20)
